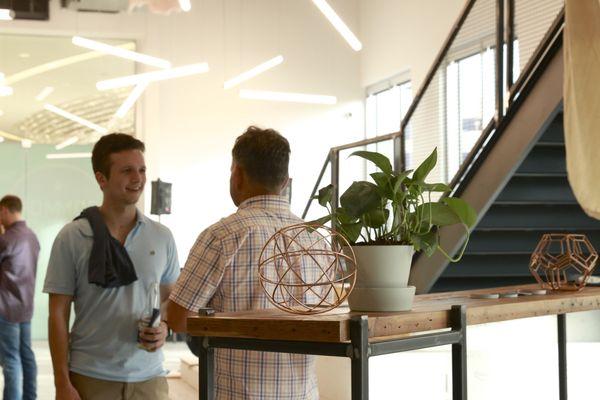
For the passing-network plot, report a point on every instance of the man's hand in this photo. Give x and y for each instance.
(67, 392)
(154, 338)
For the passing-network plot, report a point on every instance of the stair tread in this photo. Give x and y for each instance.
(535, 203)
(543, 229)
(190, 360)
(550, 144)
(540, 175)
(496, 253)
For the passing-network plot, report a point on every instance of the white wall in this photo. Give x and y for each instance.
(403, 35)
(189, 124)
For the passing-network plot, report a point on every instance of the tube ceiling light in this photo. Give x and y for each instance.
(10, 136)
(68, 142)
(131, 99)
(6, 14)
(44, 93)
(26, 143)
(60, 63)
(1, 139)
(132, 80)
(338, 24)
(57, 156)
(75, 118)
(120, 52)
(185, 5)
(259, 69)
(6, 91)
(289, 97)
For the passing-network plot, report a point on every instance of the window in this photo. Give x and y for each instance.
(470, 101)
(384, 112)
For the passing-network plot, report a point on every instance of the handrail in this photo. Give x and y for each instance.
(542, 55)
(314, 191)
(334, 151)
(504, 34)
(438, 61)
(555, 30)
(365, 142)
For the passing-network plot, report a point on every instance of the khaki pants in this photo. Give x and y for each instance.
(97, 389)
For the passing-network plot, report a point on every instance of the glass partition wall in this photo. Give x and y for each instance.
(45, 156)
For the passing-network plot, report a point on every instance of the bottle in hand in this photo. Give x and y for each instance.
(150, 316)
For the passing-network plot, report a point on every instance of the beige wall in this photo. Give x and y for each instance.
(403, 35)
(189, 124)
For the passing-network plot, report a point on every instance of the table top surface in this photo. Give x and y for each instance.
(430, 312)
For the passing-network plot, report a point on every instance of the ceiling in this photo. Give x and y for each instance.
(73, 72)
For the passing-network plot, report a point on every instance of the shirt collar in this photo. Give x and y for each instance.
(15, 224)
(140, 218)
(269, 202)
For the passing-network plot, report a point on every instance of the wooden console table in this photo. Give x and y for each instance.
(436, 319)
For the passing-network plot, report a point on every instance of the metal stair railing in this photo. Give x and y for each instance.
(503, 72)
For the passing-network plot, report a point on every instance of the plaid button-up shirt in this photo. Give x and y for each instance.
(221, 272)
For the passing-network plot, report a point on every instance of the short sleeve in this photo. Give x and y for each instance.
(60, 275)
(201, 275)
(171, 272)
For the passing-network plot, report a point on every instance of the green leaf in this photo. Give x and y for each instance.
(426, 166)
(381, 179)
(439, 214)
(462, 209)
(320, 221)
(436, 187)
(375, 218)
(342, 216)
(398, 179)
(360, 198)
(351, 231)
(381, 161)
(325, 195)
(427, 242)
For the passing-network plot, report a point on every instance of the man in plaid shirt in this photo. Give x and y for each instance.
(221, 272)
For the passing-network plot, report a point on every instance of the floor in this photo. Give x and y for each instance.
(519, 365)
(173, 353)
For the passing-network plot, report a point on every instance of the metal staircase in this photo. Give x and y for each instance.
(515, 175)
(536, 200)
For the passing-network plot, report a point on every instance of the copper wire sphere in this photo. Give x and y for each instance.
(563, 261)
(304, 269)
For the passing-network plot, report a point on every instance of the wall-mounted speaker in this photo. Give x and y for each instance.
(161, 198)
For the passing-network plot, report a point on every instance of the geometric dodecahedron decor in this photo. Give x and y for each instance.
(303, 269)
(563, 261)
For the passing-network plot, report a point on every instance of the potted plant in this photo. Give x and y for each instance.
(386, 221)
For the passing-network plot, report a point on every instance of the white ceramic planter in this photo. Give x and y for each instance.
(382, 279)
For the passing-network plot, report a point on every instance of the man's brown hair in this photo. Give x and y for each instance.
(12, 203)
(264, 155)
(110, 144)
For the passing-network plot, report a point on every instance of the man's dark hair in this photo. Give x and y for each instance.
(12, 203)
(264, 155)
(110, 144)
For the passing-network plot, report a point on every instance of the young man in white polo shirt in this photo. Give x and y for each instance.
(106, 262)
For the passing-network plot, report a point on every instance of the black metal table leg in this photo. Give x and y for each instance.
(459, 354)
(359, 336)
(206, 361)
(562, 356)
